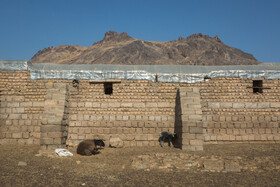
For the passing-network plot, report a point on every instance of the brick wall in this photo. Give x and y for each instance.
(232, 112)
(21, 107)
(138, 111)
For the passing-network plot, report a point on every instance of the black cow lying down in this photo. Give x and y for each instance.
(89, 147)
(167, 136)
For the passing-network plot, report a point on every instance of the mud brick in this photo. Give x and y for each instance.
(46, 141)
(88, 104)
(54, 134)
(263, 105)
(219, 137)
(275, 105)
(139, 143)
(274, 130)
(13, 104)
(231, 137)
(73, 136)
(223, 131)
(188, 136)
(268, 131)
(242, 131)
(26, 104)
(126, 105)
(189, 147)
(57, 141)
(270, 137)
(263, 137)
(196, 142)
(195, 117)
(50, 128)
(226, 105)
(14, 116)
(216, 131)
(38, 104)
(73, 104)
(214, 105)
(251, 137)
(17, 135)
(185, 141)
(96, 104)
(139, 105)
(196, 130)
(217, 125)
(261, 131)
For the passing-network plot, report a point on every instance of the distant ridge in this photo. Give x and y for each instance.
(115, 48)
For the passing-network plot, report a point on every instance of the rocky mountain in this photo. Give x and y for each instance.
(115, 48)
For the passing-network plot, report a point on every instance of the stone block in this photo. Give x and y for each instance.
(126, 105)
(196, 130)
(232, 166)
(238, 105)
(17, 135)
(213, 165)
(50, 128)
(115, 142)
(13, 104)
(250, 105)
(264, 105)
(114, 104)
(46, 141)
(213, 105)
(38, 103)
(163, 104)
(226, 105)
(196, 142)
(54, 121)
(275, 105)
(88, 104)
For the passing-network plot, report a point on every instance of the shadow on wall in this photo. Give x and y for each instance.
(178, 121)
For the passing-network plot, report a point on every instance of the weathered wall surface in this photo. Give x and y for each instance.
(22, 102)
(232, 112)
(137, 111)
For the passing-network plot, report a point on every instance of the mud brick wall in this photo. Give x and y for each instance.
(190, 128)
(232, 112)
(21, 102)
(54, 123)
(136, 112)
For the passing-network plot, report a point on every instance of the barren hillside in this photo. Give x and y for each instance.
(115, 48)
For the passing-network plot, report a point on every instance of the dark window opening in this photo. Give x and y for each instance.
(108, 88)
(257, 86)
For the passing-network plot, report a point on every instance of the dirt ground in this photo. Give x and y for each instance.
(22, 166)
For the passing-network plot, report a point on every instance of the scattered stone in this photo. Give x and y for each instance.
(115, 142)
(21, 163)
(213, 165)
(78, 162)
(232, 166)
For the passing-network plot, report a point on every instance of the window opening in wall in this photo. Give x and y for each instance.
(257, 86)
(108, 88)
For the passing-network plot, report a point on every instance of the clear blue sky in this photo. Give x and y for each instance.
(31, 25)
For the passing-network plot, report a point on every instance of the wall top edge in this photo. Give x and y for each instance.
(161, 73)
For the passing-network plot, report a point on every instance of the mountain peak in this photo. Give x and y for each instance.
(113, 36)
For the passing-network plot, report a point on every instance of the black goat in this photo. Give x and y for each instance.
(167, 136)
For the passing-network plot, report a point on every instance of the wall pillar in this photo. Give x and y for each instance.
(190, 122)
(54, 121)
